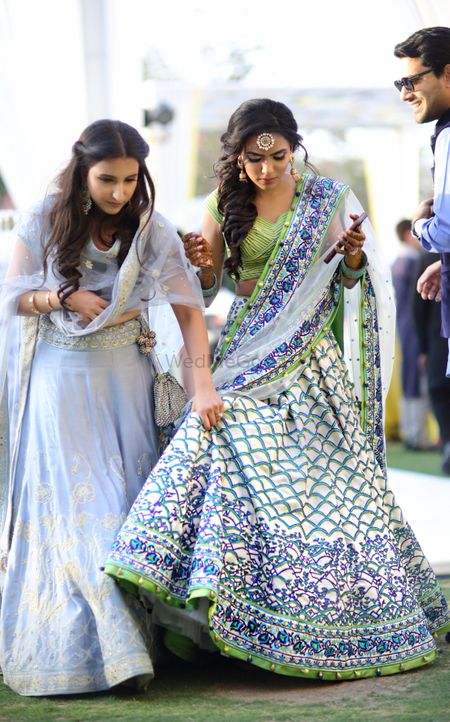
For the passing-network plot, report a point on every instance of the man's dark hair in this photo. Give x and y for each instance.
(431, 45)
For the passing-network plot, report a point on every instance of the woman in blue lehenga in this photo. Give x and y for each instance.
(89, 264)
(274, 536)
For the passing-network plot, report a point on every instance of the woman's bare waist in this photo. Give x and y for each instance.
(246, 288)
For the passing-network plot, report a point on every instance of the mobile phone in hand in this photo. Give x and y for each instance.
(354, 227)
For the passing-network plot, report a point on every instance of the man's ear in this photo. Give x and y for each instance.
(447, 74)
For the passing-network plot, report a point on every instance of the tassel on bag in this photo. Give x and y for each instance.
(169, 396)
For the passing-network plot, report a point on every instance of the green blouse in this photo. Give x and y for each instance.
(258, 244)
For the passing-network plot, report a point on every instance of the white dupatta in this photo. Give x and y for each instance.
(154, 275)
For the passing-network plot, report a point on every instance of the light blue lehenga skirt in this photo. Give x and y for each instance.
(88, 443)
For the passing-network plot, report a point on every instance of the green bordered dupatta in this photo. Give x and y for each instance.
(296, 300)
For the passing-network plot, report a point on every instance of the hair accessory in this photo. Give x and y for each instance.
(169, 396)
(242, 174)
(265, 141)
(294, 171)
(86, 200)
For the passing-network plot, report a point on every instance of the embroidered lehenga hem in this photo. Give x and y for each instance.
(118, 671)
(301, 666)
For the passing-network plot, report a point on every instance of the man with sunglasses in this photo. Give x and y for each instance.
(426, 87)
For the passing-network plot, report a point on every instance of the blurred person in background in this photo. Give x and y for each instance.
(274, 537)
(414, 403)
(433, 352)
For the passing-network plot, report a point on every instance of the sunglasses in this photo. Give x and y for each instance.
(408, 82)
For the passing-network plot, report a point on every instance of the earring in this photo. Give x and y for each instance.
(294, 171)
(86, 200)
(242, 174)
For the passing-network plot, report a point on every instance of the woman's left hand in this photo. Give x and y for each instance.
(209, 406)
(350, 243)
(198, 250)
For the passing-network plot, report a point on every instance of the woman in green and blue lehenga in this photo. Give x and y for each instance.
(274, 536)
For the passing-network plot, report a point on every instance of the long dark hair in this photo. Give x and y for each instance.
(69, 227)
(236, 199)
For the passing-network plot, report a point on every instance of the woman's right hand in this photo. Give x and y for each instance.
(208, 405)
(198, 251)
(87, 304)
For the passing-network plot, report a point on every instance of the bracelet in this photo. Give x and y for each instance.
(208, 292)
(48, 302)
(354, 273)
(32, 306)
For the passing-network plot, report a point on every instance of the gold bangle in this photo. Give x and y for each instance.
(48, 302)
(32, 306)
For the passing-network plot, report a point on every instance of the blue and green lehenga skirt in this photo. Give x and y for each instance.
(276, 536)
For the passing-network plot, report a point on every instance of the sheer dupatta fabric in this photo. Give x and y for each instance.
(154, 275)
(299, 296)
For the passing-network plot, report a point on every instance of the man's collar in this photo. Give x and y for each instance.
(442, 123)
(444, 120)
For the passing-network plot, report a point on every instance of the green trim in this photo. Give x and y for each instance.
(300, 187)
(128, 579)
(258, 288)
(337, 324)
(362, 356)
(326, 328)
(322, 674)
(132, 581)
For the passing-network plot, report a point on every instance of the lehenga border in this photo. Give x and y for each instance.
(425, 654)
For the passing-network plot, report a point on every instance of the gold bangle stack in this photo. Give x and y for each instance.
(34, 309)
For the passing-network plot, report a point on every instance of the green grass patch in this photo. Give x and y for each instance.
(226, 694)
(425, 462)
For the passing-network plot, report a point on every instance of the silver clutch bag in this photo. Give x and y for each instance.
(169, 396)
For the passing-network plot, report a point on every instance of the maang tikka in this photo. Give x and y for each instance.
(265, 141)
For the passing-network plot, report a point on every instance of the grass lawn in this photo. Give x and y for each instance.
(226, 691)
(426, 462)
